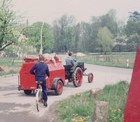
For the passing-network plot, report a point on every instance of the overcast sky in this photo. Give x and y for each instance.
(49, 10)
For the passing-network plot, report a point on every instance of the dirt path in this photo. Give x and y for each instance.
(15, 106)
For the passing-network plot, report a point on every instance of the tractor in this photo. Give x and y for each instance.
(76, 74)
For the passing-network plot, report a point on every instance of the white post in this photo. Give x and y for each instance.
(127, 62)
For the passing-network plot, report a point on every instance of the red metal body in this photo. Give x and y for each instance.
(27, 81)
(132, 110)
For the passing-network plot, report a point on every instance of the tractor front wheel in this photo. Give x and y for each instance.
(90, 77)
(77, 77)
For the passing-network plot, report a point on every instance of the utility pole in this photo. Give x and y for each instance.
(41, 47)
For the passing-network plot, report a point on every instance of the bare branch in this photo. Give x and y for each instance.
(4, 46)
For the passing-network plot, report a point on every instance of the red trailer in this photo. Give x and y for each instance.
(55, 82)
(58, 74)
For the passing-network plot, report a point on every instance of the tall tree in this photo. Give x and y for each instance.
(109, 20)
(133, 24)
(105, 39)
(132, 31)
(8, 22)
(133, 41)
(64, 33)
(87, 37)
(33, 34)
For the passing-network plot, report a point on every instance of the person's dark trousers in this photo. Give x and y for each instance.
(44, 91)
(45, 96)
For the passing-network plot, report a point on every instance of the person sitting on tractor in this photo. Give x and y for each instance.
(40, 70)
(71, 63)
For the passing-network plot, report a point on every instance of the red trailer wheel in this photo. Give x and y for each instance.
(77, 77)
(90, 77)
(59, 87)
(27, 92)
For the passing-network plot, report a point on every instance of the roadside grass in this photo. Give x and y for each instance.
(9, 66)
(116, 96)
(8, 73)
(10, 62)
(79, 107)
(112, 59)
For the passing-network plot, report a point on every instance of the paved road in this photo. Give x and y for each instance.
(16, 106)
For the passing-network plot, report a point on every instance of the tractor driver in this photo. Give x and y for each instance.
(40, 70)
(70, 61)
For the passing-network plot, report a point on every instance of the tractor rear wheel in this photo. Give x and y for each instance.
(77, 77)
(90, 77)
(27, 92)
(59, 87)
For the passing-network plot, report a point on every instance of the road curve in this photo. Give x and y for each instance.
(16, 106)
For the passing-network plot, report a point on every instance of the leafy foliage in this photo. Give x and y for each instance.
(105, 39)
(132, 30)
(109, 21)
(33, 34)
(8, 22)
(65, 34)
(101, 34)
(82, 36)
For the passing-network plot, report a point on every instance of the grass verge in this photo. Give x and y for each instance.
(8, 73)
(114, 59)
(10, 62)
(9, 66)
(79, 108)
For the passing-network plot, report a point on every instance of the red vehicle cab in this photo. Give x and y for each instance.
(55, 82)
